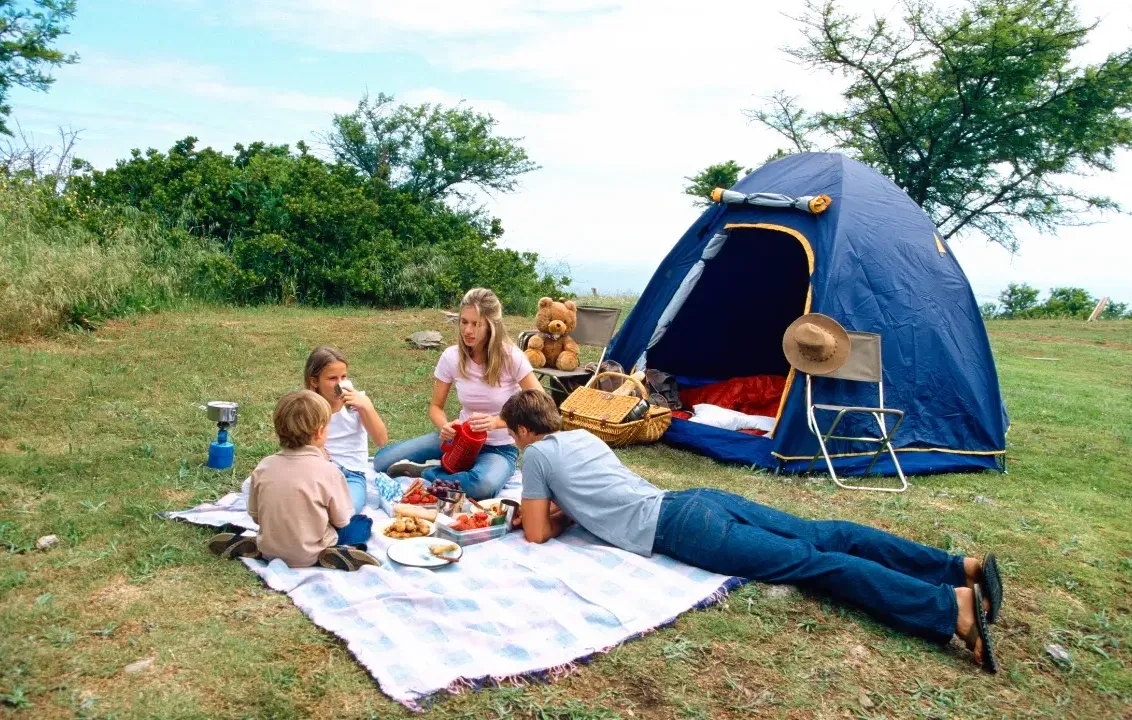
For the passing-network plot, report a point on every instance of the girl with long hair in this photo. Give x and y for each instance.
(487, 369)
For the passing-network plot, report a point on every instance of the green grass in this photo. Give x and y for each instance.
(56, 273)
(98, 432)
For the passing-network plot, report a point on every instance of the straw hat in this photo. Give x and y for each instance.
(816, 344)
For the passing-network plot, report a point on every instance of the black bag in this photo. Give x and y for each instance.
(662, 385)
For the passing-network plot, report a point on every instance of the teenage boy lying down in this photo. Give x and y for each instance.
(573, 477)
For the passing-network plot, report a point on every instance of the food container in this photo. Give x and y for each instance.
(473, 537)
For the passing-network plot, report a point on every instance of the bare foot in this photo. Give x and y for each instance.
(973, 569)
(966, 628)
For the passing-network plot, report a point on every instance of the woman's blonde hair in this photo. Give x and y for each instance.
(298, 417)
(317, 361)
(491, 311)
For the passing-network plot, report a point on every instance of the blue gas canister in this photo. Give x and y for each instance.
(221, 452)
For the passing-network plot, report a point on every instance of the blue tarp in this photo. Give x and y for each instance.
(874, 262)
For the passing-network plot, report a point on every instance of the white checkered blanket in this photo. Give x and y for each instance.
(508, 611)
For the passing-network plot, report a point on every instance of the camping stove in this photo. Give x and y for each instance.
(222, 453)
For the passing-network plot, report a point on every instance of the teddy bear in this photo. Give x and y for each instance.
(552, 346)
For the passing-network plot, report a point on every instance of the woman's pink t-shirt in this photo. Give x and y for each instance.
(476, 395)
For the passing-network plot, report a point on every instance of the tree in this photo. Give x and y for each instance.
(1070, 302)
(294, 227)
(27, 34)
(1018, 300)
(723, 175)
(428, 151)
(1115, 310)
(979, 114)
(989, 310)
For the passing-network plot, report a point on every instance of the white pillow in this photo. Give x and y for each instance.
(730, 419)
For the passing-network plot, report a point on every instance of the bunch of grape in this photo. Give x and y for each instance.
(444, 487)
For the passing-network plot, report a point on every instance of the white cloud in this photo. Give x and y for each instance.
(206, 82)
(655, 94)
(644, 93)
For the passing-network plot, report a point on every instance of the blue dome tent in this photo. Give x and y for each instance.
(763, 255)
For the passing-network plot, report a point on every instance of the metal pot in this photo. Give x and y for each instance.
(223, 412)
(449, 503)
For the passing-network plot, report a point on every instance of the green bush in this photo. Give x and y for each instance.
(58, 271)
(295, 228)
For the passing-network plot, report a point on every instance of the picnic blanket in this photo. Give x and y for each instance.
(508, 611)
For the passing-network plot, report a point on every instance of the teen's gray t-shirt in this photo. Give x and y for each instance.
(582, 475)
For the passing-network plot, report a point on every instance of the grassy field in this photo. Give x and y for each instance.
(99, 432)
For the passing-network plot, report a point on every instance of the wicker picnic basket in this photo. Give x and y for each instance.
(603, 413)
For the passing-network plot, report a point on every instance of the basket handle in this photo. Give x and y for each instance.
(640, 388)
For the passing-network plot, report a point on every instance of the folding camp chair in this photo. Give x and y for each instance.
(595, 328)
(863, 365)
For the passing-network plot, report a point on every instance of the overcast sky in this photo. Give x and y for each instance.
(617, 101)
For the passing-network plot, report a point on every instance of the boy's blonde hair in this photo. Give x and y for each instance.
(298, 416)
(534, 410)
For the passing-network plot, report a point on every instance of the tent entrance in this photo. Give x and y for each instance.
(730, 323)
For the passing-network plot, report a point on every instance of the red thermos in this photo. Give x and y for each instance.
(460, 452)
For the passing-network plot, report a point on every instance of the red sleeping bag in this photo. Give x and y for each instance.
(754, 395)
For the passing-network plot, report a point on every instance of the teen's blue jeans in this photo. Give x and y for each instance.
(494, 465)
(356, 532)
(901, 583)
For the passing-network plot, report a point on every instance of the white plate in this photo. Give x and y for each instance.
(380, 525)
(415, 552)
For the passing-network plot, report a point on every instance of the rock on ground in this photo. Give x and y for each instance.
(140, 665)
(426, 339)
(778, 592)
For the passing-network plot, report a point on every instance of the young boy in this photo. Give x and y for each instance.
(573, 476)
(300, 499)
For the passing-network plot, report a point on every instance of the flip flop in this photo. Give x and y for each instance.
(230, 545)
(346, 558)
(243, 546)
(992, 581)
(981, 626)
(220, 542)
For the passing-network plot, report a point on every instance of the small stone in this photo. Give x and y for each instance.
(778, 592)
(984, 500)
(87, 700)
(140, 665)
(858, 652)
(1059, 654)
(426, 339)
(863, 698)
(47, 541)
(452, 317)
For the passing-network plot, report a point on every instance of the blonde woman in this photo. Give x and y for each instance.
(487, 369)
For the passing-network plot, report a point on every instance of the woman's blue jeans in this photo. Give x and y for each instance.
(494, 465)
(903, 584)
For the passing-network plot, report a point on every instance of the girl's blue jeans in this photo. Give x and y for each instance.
(356, 484)
(494, 465)
(906, 585)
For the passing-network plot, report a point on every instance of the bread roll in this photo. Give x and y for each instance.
(406, 510)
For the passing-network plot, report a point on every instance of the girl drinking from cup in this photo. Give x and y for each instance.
(353, 423)
(487, 369)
